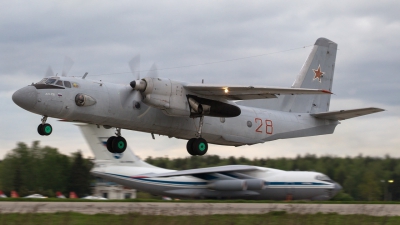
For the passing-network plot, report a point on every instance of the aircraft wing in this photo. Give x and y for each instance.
(234, 92)
(217, 169)
(346, 114)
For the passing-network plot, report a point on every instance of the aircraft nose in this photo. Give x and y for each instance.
(26, 97)
(337, 188)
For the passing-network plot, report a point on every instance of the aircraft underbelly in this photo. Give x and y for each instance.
(251, 127)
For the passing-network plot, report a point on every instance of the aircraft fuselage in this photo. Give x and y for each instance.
(112, 108)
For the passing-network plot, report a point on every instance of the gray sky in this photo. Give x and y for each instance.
(102, 36)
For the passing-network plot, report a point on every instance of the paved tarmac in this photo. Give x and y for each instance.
(176, 208)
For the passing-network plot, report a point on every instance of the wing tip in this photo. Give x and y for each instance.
(326, 91)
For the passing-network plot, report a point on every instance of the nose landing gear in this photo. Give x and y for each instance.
(197, 146)
(116, 144)
(44, 128)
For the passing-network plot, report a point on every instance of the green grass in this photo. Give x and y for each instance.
(271, 218)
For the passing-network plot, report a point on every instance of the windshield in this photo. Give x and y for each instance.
(51, 81)
(323, 178)
(42, 81)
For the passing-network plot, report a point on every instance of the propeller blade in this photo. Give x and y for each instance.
(137, 96)
(68, 62)
(131, 97)
(153, 71)
(49, 72)
(134, 65)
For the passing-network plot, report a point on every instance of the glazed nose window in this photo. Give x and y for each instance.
(80, 100)
(84, 100)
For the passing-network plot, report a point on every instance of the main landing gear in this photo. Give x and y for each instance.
(44, 128)
(197, 146)
(116, 144)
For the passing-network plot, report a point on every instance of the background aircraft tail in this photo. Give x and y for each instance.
(96, 137)
(316, 73)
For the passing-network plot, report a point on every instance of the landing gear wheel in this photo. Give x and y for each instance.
(118, 144)
(45, 129)
(39, 129)
(189, 146)
(200, 146)
(109, 144)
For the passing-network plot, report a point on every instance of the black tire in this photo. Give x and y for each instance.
(200, 146)
(109, 144)
(119, 144)
(39, 129)
(47, 129)
(189, 146)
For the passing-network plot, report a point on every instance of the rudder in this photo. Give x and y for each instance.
(316, 73)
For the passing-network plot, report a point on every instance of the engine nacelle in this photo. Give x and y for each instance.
(228, 185)
(171, 97)
(163, 94)
(255, 184)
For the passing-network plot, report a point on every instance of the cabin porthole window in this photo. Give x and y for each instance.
(249, 123)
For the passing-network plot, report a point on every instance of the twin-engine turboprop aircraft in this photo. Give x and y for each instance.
(232, 181)
(199, 113)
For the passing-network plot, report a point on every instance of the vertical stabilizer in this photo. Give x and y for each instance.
(316, 73)
(97, 137)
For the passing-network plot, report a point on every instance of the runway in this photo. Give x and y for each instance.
(176, 208)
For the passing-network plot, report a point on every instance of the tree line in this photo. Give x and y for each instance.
(44, 170)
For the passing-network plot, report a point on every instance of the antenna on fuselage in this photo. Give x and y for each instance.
(84, 75)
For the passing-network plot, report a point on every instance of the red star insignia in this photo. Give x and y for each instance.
(318, 73)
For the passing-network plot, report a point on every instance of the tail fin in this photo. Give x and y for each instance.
(316, 73)
(97, 137)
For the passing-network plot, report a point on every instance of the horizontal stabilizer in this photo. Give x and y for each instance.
(346, 114)
(217, 169)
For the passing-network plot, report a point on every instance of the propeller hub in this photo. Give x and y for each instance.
(133, 84)
(139, 85)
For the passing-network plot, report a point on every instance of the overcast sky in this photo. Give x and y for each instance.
(102, 36)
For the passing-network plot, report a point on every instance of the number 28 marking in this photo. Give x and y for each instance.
(269, 127)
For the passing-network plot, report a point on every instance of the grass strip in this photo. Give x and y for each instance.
(271, 218)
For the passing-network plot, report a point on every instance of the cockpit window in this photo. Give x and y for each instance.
(42, 81)
(67, 84)
(51, 81)
(323, 178)
(60, 83)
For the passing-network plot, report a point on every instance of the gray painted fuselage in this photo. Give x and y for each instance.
(114, 108)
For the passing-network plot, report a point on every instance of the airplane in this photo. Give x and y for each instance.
(232, 181)
(2, 195)
(221, 182)
(35, 196)
(90, 197)
(60, 195)
(232, 115)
